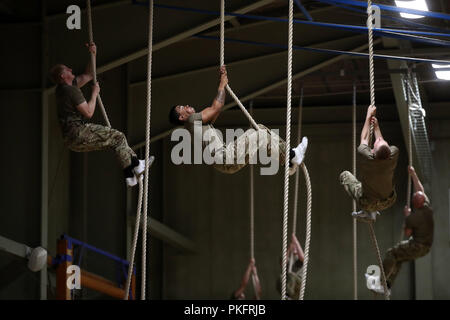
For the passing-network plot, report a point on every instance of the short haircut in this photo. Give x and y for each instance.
(383, 152)
(174, 116)
(55, 73)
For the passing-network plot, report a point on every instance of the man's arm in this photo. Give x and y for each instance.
(88, 74)
(210, 114)
(371, 111)
(417, 184)
(376, 128)
(87, 109)
(245, 279)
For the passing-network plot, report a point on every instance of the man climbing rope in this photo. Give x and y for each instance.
(419, 228)
(375, 191)
(241, 150)
(80, 136)
(295, 270)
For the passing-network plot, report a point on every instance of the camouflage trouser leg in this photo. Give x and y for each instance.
(93, 137)
(404, 251)
(247, 146)
(351, 185)
(355, 190)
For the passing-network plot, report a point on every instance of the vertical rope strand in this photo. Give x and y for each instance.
(380, 261)
(308, 230)
(355, 225)
(288, 146)
(147, 151)
(297, 174)
(252, 206)
(94, 62)
(222, 62)
(410, 160)
(135, 238)
(371, 62)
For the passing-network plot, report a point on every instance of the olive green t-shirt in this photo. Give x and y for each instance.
(376, 175)
(422, 224)
(208, 135)
(67, 100)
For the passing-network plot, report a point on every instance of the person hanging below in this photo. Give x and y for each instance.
(245, 147)
(375, 191)
(419, 229)
(295, 258)
(239, 294)
(78, 134)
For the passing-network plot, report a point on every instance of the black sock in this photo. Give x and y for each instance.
(291, 156)
(134, 162)
(128, 171)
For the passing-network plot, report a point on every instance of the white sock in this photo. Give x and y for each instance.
(300, 151)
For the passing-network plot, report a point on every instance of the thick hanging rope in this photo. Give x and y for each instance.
(410, 160)
(222, 63)
(147, 149)
(252, 207)
(380, 261)
(372, 102)
(288, 144)
(143, 189)
(371, 62)
(94, 63)
(355, 235)
(135, 238)
(308, 230)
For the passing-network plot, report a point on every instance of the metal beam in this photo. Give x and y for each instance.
(15, 248)
(162, 232)
(178, 37)
(261, 91)
(240, 62)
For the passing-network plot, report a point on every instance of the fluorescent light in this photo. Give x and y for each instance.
(444, 74)
(412, 4)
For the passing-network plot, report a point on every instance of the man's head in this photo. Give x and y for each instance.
(381, 149)
(418, 199)
(61, 74)
(179, 114)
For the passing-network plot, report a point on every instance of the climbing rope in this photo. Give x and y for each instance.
(222, 63)
(372, 102)
(143, 189)
(371, 62)
(308, 230)
(135, 237)
(147, 149)
(355, 247)
(94, 63)
(252, 207)
(410, 160)
(288, 143)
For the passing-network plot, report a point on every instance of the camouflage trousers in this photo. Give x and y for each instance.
(355, 190)
(246, 147)
(94, 137)
(404, 251)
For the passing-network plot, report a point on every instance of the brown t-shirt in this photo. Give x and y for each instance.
(422, 224)
(376, 175)
(67, 99)
(207, 131)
